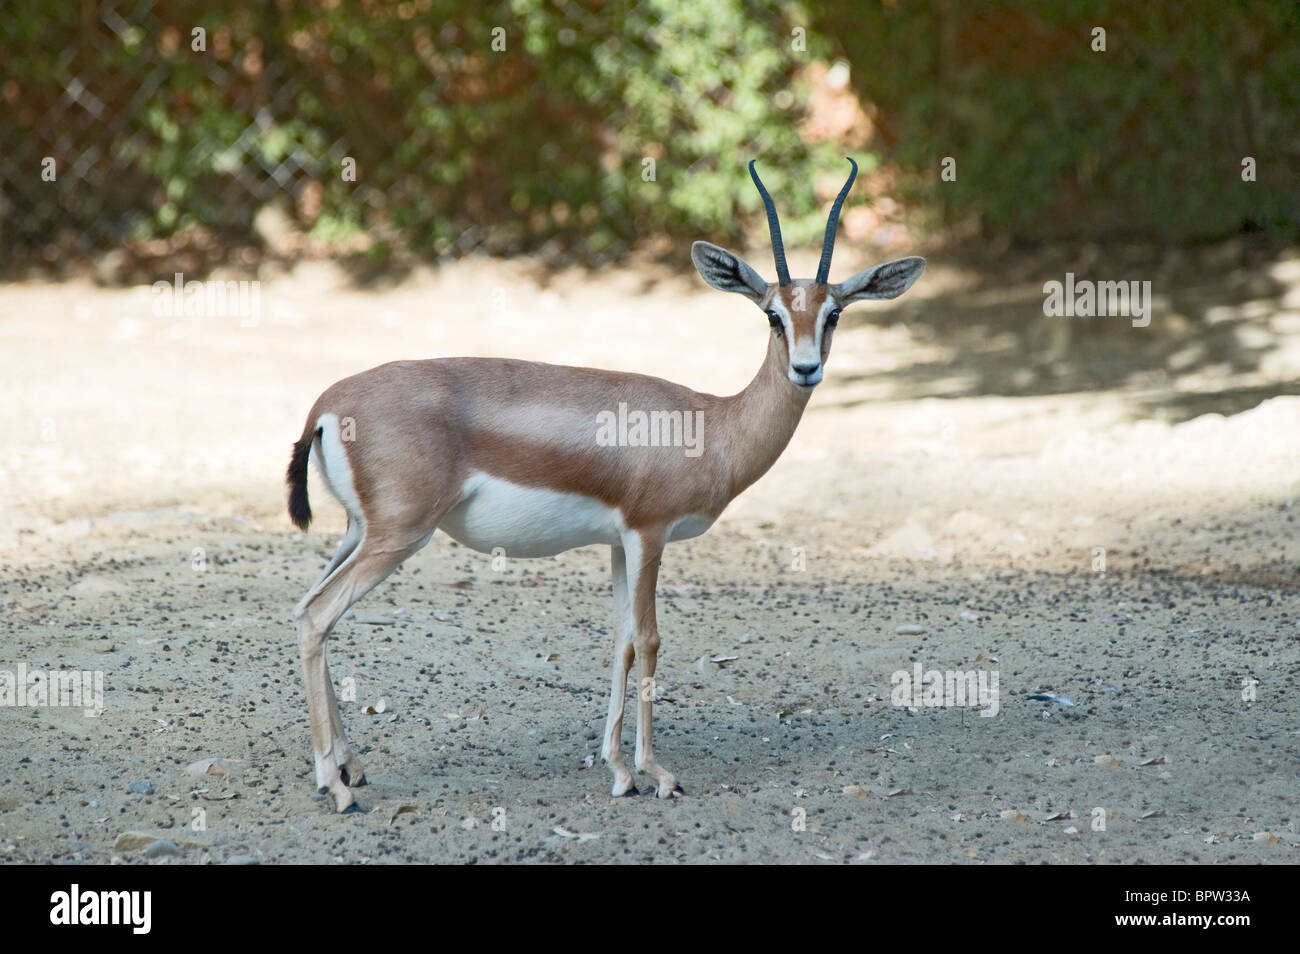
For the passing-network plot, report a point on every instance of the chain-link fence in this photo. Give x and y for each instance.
(580, 128)
(503, 127)
(90, 129)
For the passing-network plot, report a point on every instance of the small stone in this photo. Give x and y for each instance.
(135, 840)
(162, 848)
(132, 841)
(94, 585)
(140, 788)
(242, 860)
(910, 629)
(210, 766)
(373, 619)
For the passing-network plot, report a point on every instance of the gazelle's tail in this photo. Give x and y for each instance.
(299, 507)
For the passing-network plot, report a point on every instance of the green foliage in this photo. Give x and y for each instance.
(1053, 137)
(459, 145)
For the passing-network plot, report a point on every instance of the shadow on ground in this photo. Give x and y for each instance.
(1224, 333)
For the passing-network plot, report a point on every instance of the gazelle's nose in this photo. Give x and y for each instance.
(805, 369)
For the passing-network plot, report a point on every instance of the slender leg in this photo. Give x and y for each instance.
(337, 766)
(346, 546)
(644, 551)
(612, 749)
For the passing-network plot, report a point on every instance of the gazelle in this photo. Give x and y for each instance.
(516, 455)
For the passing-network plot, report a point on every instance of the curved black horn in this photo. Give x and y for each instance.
(828, 243)
(773, 228)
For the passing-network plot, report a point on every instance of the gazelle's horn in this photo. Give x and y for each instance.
(773, 228)
(828, 243)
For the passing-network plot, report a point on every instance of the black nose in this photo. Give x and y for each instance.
(805, 369)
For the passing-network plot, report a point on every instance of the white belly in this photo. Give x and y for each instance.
(528, 521)
(692, 525)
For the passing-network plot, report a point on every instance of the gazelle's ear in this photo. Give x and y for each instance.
(727, 272)
(882, 281)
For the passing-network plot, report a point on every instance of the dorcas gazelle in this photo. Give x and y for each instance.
(533, 459)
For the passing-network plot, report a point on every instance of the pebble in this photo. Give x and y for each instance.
(372, 619)
(140, 788)
(135, 840)
(162, 848)
(910, 629)
(97, 585)
(242, 860)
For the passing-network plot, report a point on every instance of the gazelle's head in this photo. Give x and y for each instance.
(803, 311)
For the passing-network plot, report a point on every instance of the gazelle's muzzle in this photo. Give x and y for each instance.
(805, 369)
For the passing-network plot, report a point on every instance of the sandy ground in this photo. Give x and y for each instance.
(1074, 513)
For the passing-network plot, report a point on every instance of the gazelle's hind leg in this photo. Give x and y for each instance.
(346, 546)
(388, 529)
(375, 558)
(332, 462)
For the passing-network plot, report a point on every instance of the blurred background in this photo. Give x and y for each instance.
(589, 129)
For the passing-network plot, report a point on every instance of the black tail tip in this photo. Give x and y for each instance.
(299, 507)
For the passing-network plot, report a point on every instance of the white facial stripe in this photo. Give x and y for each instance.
(806, 350)
(828, 306)
(787, 322)
(796, 351)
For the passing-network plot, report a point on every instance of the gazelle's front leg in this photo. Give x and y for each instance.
(612, 748)
(644, 550)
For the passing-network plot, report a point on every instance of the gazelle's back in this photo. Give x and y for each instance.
(607, 435)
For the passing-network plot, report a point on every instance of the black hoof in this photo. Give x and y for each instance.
(353, 809)
(631, 792)
(361, 784)
(678, 792)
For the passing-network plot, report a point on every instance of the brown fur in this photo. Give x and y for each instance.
(422, 427)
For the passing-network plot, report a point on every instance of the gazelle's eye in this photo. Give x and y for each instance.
(775, 321)
(832, 318)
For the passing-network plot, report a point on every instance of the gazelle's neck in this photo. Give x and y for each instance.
(763, 419)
